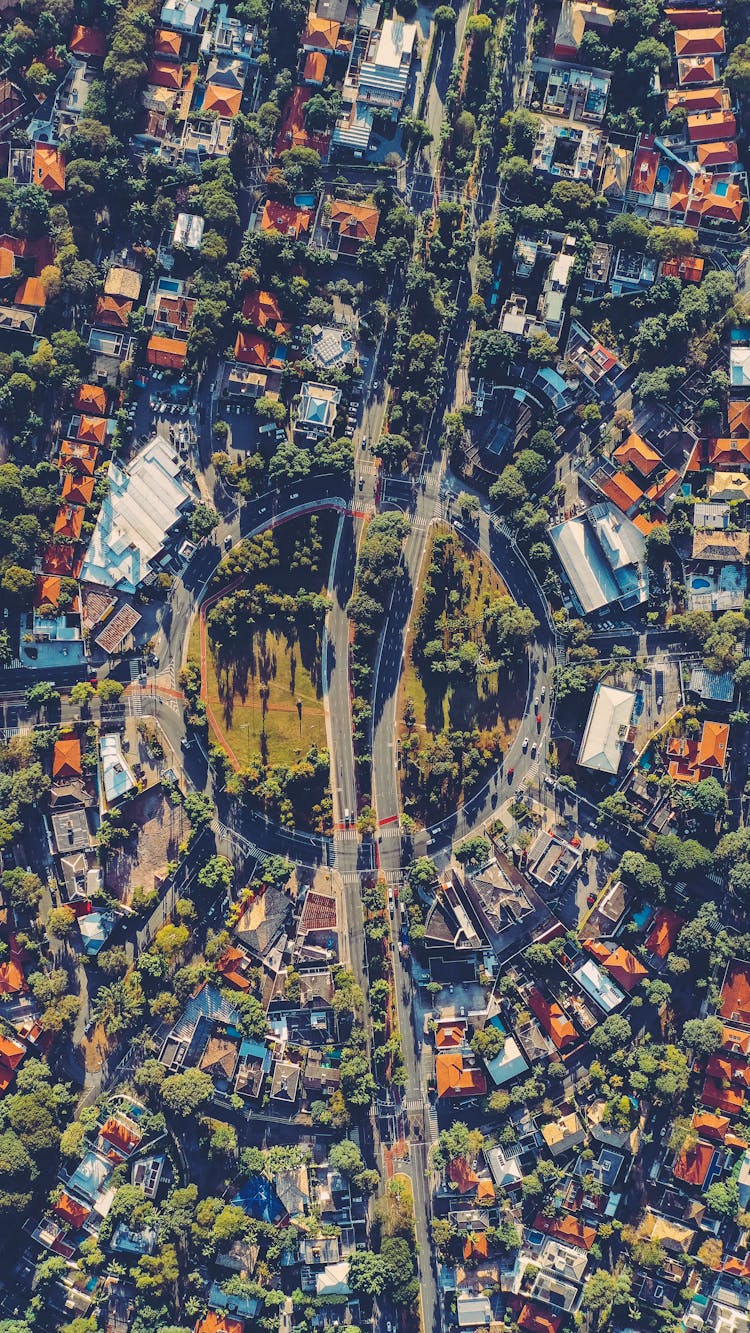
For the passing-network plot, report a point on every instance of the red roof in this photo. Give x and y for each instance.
(536, 1319)
(285, 218)
(699, 41)
(454, 1079)
(87, 42)
(710, 1125)
(707, 125)
(219, 1323)
(645, 167)
(622, 491)
(663, 935)
(71, 1211)
(693, 1163)
(123, 1139)
(66, 758)
(689, 269)
(729, 1100)
(167, 352)
(91, 398)
(733, 1068)
(573, 1230)
(462, 1174)
(292, 132)
(552, 1019)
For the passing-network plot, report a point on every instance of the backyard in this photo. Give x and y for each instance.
(464, 680)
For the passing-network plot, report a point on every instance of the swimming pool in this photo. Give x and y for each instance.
(698, 582)
(169, 285)
(721, 188)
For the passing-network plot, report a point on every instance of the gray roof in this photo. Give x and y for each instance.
(717, 686)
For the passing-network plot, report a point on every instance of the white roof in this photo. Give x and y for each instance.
(142, 505)
(606, 729)
(396, 43)
(116, 773)
(473, 1311)
(601, 989)
(604, 557)
(508, 1064)
(506, 1171)
(188, 230)
(318, 403)
(334, 1280)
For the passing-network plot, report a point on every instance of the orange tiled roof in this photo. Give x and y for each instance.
(113, 311)
(167, 43)
(79, 456)
(699, 41)
(71, 1211)
(12, 980)
(91, 398)
(167, 352)
(694, 18)
(47, 590)
(712, 1126)
(622, 491)
(663, 486)
(697, 99)
(292, 130)
(264, 310)
(449, 1034)
(454, 1079)
(644, 525)
(69, 521)
(285, 218)
(252, 349)
(735, 1040)
(224, 101)
(31, 293)
(645, 167)
(87, 42)
(219, 1323)
(228, 966)
(729, 453)
(704, 201)
(358, 221)
(320, 34)
(476, 1246)
(66, 758)
(462, 1174)
(59, 560)
(733, 1068)
(536, 1319)
(735, 994)
(689, 269)
(693, 1163)
(77, 490)
(720, 154)
(7, 262)
(712, 750)
(730, 1100)
(573, 1230)
(739, 418)
(552, 1019)
(11, 1052)
(122, 1137)
(49, 168)
(691, 760)
(663, 935)
(627, 970)
(639, 453)
(485, 1188)
(696, 70)
(92, 430)
(705, 126)
(315, 66)
(164, 74)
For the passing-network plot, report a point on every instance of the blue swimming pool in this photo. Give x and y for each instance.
(698, 583)
(721, 188)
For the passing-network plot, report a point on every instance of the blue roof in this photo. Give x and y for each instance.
(553, 379)
(259, 1199)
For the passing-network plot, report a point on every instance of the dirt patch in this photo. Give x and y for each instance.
(160, 828)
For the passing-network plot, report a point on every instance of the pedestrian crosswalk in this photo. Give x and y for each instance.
(389, 831)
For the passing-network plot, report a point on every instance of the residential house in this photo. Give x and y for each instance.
(691, 760)
(608, 729)
(603, 556)
(318, 409)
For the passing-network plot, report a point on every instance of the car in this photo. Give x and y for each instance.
(510, 773)
(533, 750)
(536, 703)
(361, 483)
(525, 745)
(591, 900)
(294, 495)
(228, 542)
(544, 691)
(660, 701)
(364, 443)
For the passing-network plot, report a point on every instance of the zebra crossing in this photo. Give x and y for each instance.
(345, 834)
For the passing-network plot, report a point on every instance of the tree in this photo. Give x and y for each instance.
(615, 1032)
(737, 69)
(603, 1293)
(445, 16)
(42, 695)
(203, 520)
(473, 853)
(367, 1274)
(710, 799)
(723, 1199)
(109, 691)
(199, 809)
(184, 1094)
(492, 353)
(62, 923)
(346, 1158)
(703, 1035)
(628, 232)
(82, 693)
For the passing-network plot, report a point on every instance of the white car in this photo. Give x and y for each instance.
(525, 745)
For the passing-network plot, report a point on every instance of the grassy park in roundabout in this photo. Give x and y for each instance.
(262, 667)
(464, 681)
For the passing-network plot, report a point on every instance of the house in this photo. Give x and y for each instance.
(689, 268)
(66, 758)
(384, 71)
(693, 1163)
(735, 994)
(565, 153)
(263, 310)
(576, 18)
(113, 311)
(563, 1134)
(88, 43)
(607, 729)
(145, 504)
(637, 453)
(11, 1055)
(570, 1230)
(622, 491)
(285, 1083)
(457, 1076)
(663, 934)
(350, 225)
(599, 987)
(318, 408)
(555, 1023)
(622, 966)
(692, 760)
(117, 776)
(510, 1063)
(286, 219)
(699, 42)
(673, 1236)
(603, 556)
(168, 353)
(121, 281)
(705, 127)
(188, 231)
(49, 169)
